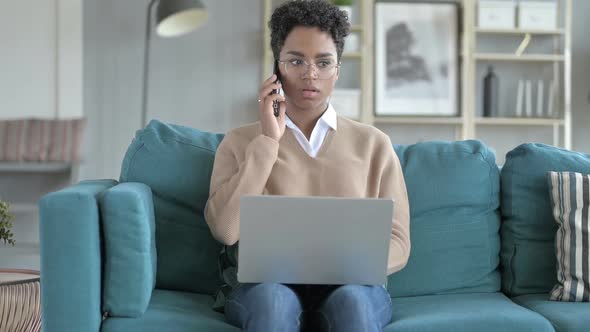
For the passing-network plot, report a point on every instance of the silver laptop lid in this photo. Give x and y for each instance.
(314, 240)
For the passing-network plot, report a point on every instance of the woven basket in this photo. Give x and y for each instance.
(20, 301)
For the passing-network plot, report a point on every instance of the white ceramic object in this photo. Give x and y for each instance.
(538, 15)
(540, 98)
(496, 14)
(528, 98)
(551, 100)
(519, 99)
(346, 102)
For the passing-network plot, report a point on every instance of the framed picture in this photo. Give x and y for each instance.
(416, 58)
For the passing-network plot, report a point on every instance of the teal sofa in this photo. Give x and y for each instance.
(135, 254)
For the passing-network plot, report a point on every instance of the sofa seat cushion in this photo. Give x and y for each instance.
(479, 312)
(172, 311)
(565, 316)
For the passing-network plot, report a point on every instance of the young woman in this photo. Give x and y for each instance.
(307, 150)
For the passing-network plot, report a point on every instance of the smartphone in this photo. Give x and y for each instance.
(275, 104)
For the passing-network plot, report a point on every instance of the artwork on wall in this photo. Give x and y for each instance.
(416, 59)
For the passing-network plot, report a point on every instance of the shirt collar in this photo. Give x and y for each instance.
(329, 117)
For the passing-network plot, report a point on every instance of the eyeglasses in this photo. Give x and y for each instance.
(324, 69)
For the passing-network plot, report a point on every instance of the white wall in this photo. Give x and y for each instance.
(581, 77)
(40, 58)
(41, 77)
(209, 78)
(27, 59)
(70, 56)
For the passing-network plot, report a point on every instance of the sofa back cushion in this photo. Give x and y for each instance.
(528, 227)
(454, 196)
(176, 163)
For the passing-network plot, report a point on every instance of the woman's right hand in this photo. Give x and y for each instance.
(273, 127)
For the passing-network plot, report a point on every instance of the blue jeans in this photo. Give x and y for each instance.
(277, 307)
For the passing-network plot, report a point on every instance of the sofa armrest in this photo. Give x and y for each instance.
(70, 240)
(130, 258)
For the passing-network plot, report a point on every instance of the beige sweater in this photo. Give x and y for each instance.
(357, 160)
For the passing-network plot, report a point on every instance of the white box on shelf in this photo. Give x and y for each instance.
(346, 102)
(496, 14)
(541, 15)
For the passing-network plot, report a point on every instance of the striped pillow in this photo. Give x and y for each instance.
(570, 197)
(13, 135)
(41, 140)
(54, 140)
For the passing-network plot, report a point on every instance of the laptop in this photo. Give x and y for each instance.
(314, 240)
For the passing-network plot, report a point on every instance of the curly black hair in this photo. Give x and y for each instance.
(310, 13)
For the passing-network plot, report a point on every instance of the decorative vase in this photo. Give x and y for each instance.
(490, 94)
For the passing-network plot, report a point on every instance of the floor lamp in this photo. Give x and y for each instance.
(173, 18)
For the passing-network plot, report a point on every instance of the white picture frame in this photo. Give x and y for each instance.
(416, 59)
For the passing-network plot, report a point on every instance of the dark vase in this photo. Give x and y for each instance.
(490, 94)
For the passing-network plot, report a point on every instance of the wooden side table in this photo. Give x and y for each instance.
(20, 301)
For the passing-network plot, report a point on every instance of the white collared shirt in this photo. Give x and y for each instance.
(326, 122)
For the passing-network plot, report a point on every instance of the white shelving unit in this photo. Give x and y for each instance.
(518, 122)
(33, 167)
(560, 59)
(418, 120)
(512, 57)
(23, 208)
(21, 185)
(467, 123)
(519, 31)
(21, 256)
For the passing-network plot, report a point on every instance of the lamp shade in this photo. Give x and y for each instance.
(177, 17)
